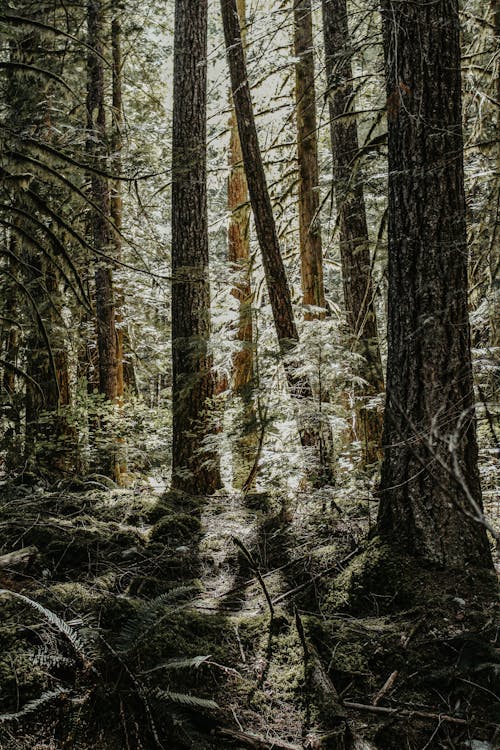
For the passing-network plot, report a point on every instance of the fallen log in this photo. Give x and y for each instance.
(19, 559)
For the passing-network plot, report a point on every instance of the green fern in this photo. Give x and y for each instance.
(183, 699)
(73, 637)
(187, 663)
(149, 615)
(34, 705)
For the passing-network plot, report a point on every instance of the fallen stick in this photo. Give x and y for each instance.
(404, 712)
(385, 687)
(257, 741)
(20, 558)
(256, 570)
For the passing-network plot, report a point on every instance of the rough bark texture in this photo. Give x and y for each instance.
(311, 253)
(354, 239)
(424, 508)
(193, 380)
(246, 441)
(313, 435)
(101, 230)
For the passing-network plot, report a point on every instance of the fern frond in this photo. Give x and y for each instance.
(187, 663)
(34, 705)
(183, 699)
(149, 615)
(51, 659)
(51, 617)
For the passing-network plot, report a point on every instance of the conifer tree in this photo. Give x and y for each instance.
(353, 226)
(193, 470)
(430, 491)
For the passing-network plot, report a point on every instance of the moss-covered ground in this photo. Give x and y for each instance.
(136, 621)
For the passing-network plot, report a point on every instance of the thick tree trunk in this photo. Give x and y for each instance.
(313, 433)
(193, 379)
(246, 441)
(311, 252)
(354, 240)
(430, 482)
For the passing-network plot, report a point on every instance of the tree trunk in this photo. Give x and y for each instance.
(193, 380)
(430, 482)
(313, 433)
(116, 209)
(102, 236)
(311, 252)
(116, 203)
(354, 239)
(246, 441)
(125, 367)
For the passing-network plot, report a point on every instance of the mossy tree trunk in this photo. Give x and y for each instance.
(430, 487)
(353, 227)
(314, 434)
(193, 470)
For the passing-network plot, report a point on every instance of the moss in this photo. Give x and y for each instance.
(180, 501)
(190, 633)
(258, 501)
(20, 679)
(115, 611)
(175, 529)
(374, 580)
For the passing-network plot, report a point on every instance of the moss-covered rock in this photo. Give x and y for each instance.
(175, 529)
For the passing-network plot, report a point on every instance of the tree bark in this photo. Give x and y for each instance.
(101, 229)
(116, 202)
(429, 486)
(311, 252)
(193, 379)
(246, 440)
(313, 434)
(125, 376)
(354, 239)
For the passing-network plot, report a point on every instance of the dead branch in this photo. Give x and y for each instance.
(405, 712)
(256, 741)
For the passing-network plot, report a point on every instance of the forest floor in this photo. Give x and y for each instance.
(136, 618)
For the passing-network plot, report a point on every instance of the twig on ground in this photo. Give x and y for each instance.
(405, 712)
(257, 741)
(257, 572)
(315, 578)
(385, 687)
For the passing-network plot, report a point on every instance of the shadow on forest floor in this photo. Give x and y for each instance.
(144, 611)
